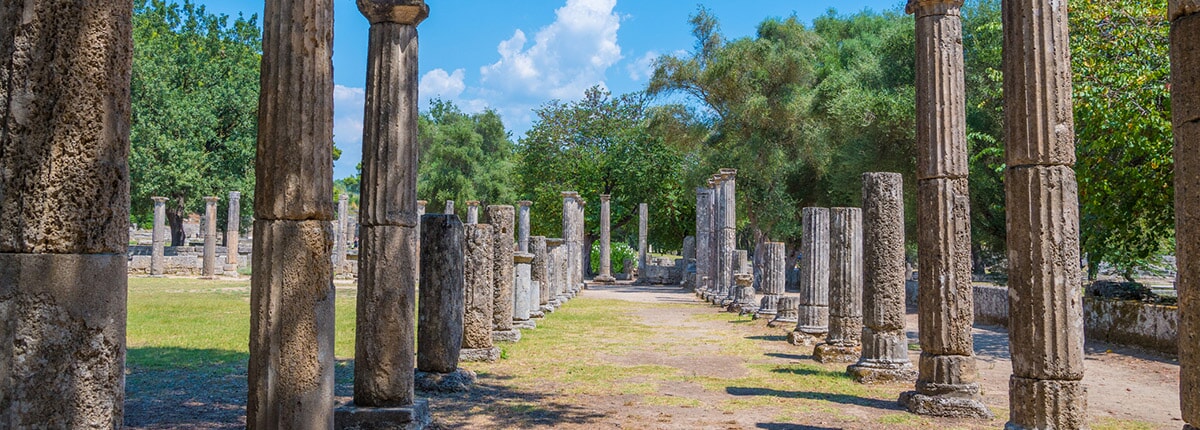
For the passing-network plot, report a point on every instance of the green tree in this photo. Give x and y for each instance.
(464, 157)
(195, 97)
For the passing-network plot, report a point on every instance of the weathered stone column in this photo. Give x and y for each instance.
(158, 237)
(1185, 110)
(843, 344)
(523, 225)
(643, 234)
(390, 223)
(477, 319)
(449, 207)
(947, 384)
(421, 208)
(585, 251)
(813, 322)
(339, 237)
(232, 232)
(605, 275)
(885, 344)
(774, 279)
(208, 268)
(1045, 294)
(442, 305)
(501, 219)
(741, 265)
(744, 301)
(64, 212)
(570, 238)
(556, 271)
(473, 212)
(522, 283)
(703, 239)
(541, 276)
(788, 313)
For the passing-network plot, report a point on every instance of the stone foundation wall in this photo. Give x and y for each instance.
(663, 271)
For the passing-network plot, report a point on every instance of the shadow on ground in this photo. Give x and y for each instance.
(778, 426)
(180, 388)
(505, 407)
(845, 399)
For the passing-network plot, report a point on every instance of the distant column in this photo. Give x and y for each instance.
(813, 322)
(449, 207)
(541, 276)
(473, 212)
(605, 275)
(1185, 109)
(523, 225)
(339, 237)
(159, 236)
(477, 320)
(843, 343)
(232, 228)
(421, 208)
(442, 302)
(728, 220)
(643, 234)
(523, 283)
(703, 240)
(557, 270)
(722, 247)
(885, 343)
(503, 276)
(209, 267)
(774, 279)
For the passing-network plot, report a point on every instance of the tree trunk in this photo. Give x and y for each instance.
(175, 215)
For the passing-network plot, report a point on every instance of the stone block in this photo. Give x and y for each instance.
(947, 374)
(441, 304)
(414, 417)
(386, 312)
(944, 267)
(1046, 404)
(477, 319)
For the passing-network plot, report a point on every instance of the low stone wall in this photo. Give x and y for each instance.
(1123, 322)
(662, 271)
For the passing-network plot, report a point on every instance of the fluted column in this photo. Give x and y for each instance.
(605, 275)
(843, 343)
(727, 223)
(158, 236)
(232, 232)
(473, 212)
(477, 274)
(64, 212)
(947, 384)
(1045, 297)
(1185, 111)
(502, 220)
(644, 235)
(208, 267)
(703, 240)
(571, 240)
(339, 238)
(523, 225)
(389, 218)
(541, 275)
(884, 343)
(774, 278)
(813, 319)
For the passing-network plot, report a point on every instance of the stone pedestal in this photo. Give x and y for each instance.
(521, 291)
(1185, 111)
(208, 268)
(1045, 303)
(843, 344)
(472, 212)
(774, 278)
(605, 276)
(813, 322)
(523, 225)
(884, 343)
(158, 237)
(502, 220)
(232, 229)
(442, 302)
(477, 342)
(787, 314)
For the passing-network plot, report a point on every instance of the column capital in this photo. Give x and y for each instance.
(605, 197)
(523, 203)
(472, 202)
(728, 173)
(159, 200)
(404, 12)
(922, 8)
(211, 199)
(344, 197)
(422, 202)
(570, 195)
(1180, 8)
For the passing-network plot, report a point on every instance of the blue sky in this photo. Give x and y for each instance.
(513, 56)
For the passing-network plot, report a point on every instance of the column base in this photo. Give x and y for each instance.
(512, 335)
(413, 417)
(524, 324)
(548, 308)
(478, 355)
(604, 279)
(879, 373)
(828, 353)
(767, 314)
(1041, 404)
(782, 322)
(800, 338)
(538, 314)
(458, 381)
(964, 403)
(230, 270)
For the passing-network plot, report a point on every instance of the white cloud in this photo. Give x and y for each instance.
(438, 83)
(566, 57)
(643, 68)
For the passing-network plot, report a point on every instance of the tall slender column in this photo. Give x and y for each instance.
(390, 222)
(449, 208)
(605, 275)
(843, 343)
(232, 232)
(571, 239)
(442, 306)
(582, 252)
(64, 212)
(885, 344)
(703, 239)
(774, 279)
(523, 225)
(477, 320)
(722, 246)
(1045, 298)
(643, 234)
(158, 237)
(541, 275)
(728, 219)
(473, 212)
(1185, 110)
(813, 319)
(208, 268)
(501, 219)
(339, 237)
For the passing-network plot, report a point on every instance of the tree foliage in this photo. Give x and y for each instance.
(195, 98)
(464, 157)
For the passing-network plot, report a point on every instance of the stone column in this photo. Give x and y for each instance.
(946, 385)
(643, 235)
(339, 238)
(788, 313)
(1185, 110)
(813, 322)
(605, 275)
(158, 237)
(208, 268)
(523, 225)
(389, 223)
(1045, 298)
(744, 301)
(232, 232)
(477, 274)
(541, 275)
(523, 281)
(884, 343)
(449, 207)
(442, 305)
(64, 212)
(571, 238)
(555, 271)
(774, 279)
(473, 212)
(421, 208)
(501, 219)
(728, 222)
(585, 252)
(741, 266)
(843, 343)
(703, 239)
